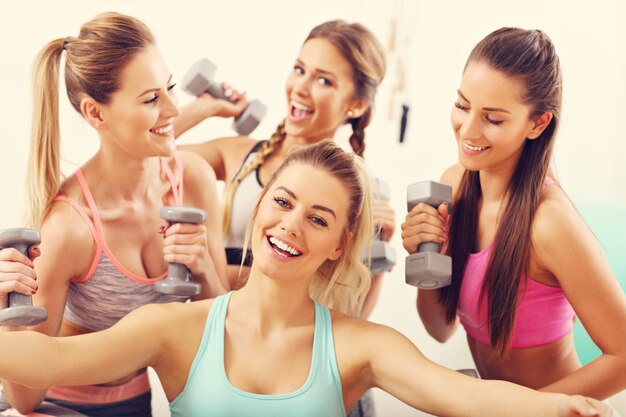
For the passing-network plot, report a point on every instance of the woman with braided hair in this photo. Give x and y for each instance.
(333, 82)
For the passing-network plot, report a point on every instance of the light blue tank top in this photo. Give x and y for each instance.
(208, 391)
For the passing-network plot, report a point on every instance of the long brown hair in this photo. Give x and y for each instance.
(366, 57)
(93, 63)
(528, 56)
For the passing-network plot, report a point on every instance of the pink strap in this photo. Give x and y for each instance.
(176, 180)
(96, 237)
(99, 394)
(91, 203)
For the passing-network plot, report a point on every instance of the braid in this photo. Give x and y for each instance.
(357, 139)
(262, 154)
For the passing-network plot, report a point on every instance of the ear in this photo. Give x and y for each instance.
(338, 251)
(539, 125)
(90, 109)
(356, 109)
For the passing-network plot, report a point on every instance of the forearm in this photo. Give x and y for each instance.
(599, 379)
(190, 116)
(212, 284)
(432, 314)
(500, 398)
(29, 359)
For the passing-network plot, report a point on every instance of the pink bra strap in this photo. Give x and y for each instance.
(91, 203)
(176, 181)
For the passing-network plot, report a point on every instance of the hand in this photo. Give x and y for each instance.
(577, 405)
(425, 224)
(210, 106)
(384, 218)
(17, 273)
(186, 243)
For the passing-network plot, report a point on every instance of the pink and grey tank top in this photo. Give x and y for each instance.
(109, 291)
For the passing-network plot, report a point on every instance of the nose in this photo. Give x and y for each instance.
(470, 127)
(170, 105)
(302, 85)
(291, 223)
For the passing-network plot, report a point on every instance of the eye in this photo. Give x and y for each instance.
(319, 221)
(152, 100)
(494, 122)
(171, 87)
(282, 202)
(298, 70)
(460, 106)
(324, 81)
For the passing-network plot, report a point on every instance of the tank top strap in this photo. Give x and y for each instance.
(91, 203)
(175, 178)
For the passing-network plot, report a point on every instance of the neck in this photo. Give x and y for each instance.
(272, 303)
(494, 182)
(125, 177)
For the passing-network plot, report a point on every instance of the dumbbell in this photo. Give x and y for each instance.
(199, 79)
(427, 268)
(382, 255)
(178, 281)
(21, 311)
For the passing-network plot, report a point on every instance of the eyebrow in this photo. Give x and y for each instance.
(484, 108)
(151, 90)
(315, 206)
(319, 70)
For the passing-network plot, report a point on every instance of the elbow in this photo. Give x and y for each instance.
(440, 335)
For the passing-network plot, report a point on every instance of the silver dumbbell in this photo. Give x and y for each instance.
(21, 311)
(200, 79)
(427, 268)
(178, 281)
(382, 256)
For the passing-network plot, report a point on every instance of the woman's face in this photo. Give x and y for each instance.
(300, 223)
(138, 119)
(320, 91)
(489, 119)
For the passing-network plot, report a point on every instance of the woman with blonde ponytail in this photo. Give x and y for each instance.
(103, 242)
(333, 82)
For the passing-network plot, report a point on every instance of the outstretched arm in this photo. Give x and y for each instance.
(399, 368)
(40, 361)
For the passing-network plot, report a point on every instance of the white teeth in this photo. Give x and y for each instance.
(163, 130)
(283, 246)
(474, 148)
(300, 106)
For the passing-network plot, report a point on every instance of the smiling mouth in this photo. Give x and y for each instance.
(475, 148)
(163, 130)
(282, 248)
(299, 111)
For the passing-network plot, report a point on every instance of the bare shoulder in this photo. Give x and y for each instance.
(353, 331)
(452, 176)
(556, 216)
(66, 235)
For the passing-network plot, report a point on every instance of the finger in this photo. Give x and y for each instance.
(10, 268)
(423, 207)
(17, 286)
(13, 255)
(34, 252)
(184, 229)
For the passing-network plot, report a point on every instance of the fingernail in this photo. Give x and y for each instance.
(162, 229)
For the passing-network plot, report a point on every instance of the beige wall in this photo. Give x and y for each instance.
(254, 44)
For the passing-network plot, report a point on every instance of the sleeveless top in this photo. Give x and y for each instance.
(209, 392)
(109, 291)
(544, 315)
(244, 201)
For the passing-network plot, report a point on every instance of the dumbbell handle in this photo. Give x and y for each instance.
(217, 91)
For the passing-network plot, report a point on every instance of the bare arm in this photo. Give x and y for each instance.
(64, 236)
(564, 246)
(39, 361)
(399, 368)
